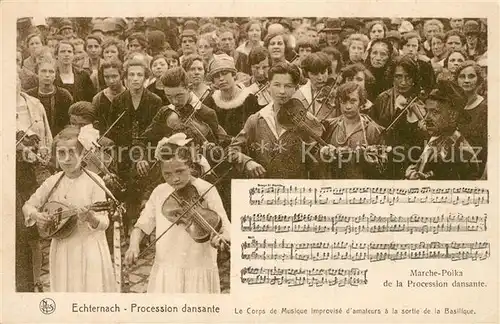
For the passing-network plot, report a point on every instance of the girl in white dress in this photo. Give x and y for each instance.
(181, 264)
(80, 262)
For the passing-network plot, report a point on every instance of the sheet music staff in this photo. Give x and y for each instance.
(278, 194)
(286, 250)
(299, 276)
(118, 55)
(364, 223)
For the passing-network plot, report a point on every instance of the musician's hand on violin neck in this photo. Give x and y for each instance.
(142, 168)
(254, 169)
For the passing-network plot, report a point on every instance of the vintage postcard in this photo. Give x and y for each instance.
(240, 162)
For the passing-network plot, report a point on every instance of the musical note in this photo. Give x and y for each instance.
(315, 277)
(282, 195)
(364, 223)
(284, 250)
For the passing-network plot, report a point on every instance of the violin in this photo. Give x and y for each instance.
(414, 105)
(177, 122)
(294, 115)
(374, 154)
(264, 87)
(28, 146)
(92, 162)
(262, 93)
(199, 222)
(95, 159)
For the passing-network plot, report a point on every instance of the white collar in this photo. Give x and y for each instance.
(475, 103)
(368, 104)
(306, 90)
(269, 116)
(234, 103)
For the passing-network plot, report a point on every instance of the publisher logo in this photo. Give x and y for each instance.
(47, 306)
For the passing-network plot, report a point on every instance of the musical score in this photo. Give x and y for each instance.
(283, 250)
(299, 276)
(282, 195)
(364, 223)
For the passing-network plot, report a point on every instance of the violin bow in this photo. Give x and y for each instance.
(105, 133)
(199, 103)
(398, 117)
(117, 227)
(334, 87)
(262, 88)
(185, 212)
(117, 218)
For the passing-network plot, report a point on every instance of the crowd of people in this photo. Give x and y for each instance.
(285, 98)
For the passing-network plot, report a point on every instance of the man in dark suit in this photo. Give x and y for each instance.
(447, 155)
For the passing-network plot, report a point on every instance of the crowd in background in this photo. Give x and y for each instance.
(226, 79)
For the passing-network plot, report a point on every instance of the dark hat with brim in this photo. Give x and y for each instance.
(393, 34)
(448, 91)
(332, 25)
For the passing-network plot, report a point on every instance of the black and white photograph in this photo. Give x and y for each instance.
(129, 131)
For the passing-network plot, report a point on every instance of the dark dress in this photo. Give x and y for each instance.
(102, 106)
(56, 107)
(127, 134)
(381, 83)
(160, 93)
(475, 129)
(233, 115)
(82, 89)
(352, 166)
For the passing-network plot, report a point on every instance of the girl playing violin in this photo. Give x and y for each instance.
(348, 131)
(181, 265)
(80, 262)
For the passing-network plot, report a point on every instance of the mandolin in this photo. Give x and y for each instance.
(64, 218)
